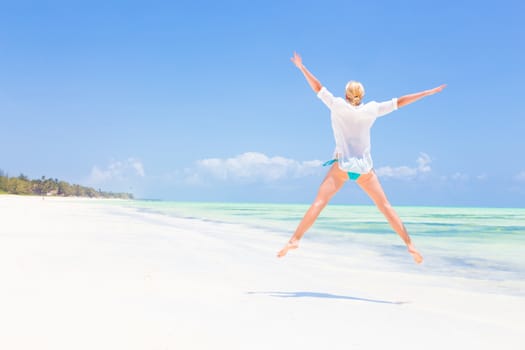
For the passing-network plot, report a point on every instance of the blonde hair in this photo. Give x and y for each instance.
(355, 92)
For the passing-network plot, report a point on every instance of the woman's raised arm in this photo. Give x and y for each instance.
(408, 99)
(310, 78)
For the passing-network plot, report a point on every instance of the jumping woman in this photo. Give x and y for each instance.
(351, 124)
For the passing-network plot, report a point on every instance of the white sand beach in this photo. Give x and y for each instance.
(92, 274)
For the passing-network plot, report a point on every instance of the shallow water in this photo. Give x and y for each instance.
(486, 244)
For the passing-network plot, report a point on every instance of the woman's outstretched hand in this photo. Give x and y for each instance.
(436, 89)
(310, 78)
(297, 60)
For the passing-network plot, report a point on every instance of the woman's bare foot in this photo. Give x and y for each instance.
(290, 245)
(418, 258)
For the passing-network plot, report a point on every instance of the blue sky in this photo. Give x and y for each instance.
(198, 100)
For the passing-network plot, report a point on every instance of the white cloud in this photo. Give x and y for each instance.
(423, 166)
(520, 176)
(463, 177)
(458, 176)
(138, 166)
(117, 170)
(251, 167)
(482, 177)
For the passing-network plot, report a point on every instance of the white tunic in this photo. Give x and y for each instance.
(351, 126)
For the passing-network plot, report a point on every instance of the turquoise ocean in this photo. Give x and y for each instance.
(485, 244)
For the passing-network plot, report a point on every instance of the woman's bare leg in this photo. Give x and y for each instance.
(371, 185)
(332, 183)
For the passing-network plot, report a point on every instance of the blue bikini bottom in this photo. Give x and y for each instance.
(351, 175)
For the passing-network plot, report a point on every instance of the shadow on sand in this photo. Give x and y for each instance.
(325, 296)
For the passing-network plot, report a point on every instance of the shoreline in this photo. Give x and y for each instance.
(271, 203)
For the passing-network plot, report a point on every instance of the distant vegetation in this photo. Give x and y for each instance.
(51, 187)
